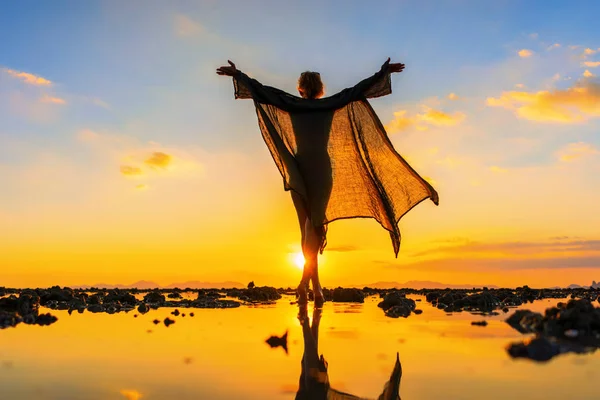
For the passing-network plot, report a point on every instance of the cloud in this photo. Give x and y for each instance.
(499, 170)
(28, 78)
(436, 117)
(402, 121)
(159, 159)
(569, 105)
(453, 96)
(524, 53)
(185, 26)
(515, 248)
(131, 394)
(129, 170)
(52, 100)
(554, 46)
(519, 85)
(591, 64)
(589, 52)
(574, 151)
(588, 74)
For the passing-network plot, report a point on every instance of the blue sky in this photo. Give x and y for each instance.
(497, 99)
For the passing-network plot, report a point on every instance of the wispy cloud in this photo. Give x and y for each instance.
(570, 105)
(159, 159)
(574, 151)
(591, 64)
(28, 78)
(52, 100)
(129, 170)
(429, 117)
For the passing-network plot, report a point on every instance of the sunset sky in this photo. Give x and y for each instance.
(123, 156)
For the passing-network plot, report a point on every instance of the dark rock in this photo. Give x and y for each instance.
(479, 323)
(175, 313)
(45, 319)
(95, 308)
(398, 311)
(143, 308)
(154, 298)
(396, 299)
(174, 295)
(191, 314)
(417, 311)
(350, 295)
(168, 321)
(156, 322)
(251, 285)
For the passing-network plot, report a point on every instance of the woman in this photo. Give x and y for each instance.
(335, 158)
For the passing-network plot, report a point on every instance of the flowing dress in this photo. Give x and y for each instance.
(334, 152)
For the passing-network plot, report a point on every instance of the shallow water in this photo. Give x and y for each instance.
(222, 354)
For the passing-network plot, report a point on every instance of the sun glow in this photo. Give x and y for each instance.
(298, 259)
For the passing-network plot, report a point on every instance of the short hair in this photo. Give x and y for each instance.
(310, 85)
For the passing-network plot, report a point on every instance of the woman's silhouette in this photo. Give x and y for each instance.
(335, 158)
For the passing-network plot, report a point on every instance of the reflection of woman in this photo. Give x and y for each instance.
(335, 158)
(314, 379)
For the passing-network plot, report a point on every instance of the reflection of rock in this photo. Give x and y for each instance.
(276, 341)
(479, 323)
(568, 327)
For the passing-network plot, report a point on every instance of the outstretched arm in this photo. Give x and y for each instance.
(249, 88)
(376, 85)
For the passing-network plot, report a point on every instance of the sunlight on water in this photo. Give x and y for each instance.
(222, 354)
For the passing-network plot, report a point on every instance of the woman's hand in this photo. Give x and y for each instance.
(228, 70)
(395, 67)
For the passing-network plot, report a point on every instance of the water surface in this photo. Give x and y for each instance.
(222, 354)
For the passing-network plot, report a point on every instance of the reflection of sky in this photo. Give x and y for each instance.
(130, 78)
(221, 354)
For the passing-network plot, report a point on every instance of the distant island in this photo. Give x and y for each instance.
(413, 284)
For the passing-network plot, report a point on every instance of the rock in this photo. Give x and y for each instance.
(95, 308)
(156, 322)
(395, 299)
(176, 312)
(154, 298)
(168, 321)
(120, 296)
(351, 295)
(479, 323)
(417, 311)
(143, 308)
(174, 295)
(191, 314)
(251, 285)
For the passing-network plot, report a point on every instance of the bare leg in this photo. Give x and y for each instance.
(302, 289)
(312, 244)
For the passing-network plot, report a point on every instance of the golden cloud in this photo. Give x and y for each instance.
(52, 100)
(421, 121)
(453, 96)
(524, 53)
(159, 159)
(498, 170)
(574, 151)
(128, 170)
(589, 52)
(28, 78)
(570, 105)
(554, 46)
(592, 64)
(588, 74)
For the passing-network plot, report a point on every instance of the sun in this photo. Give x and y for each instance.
(298, 259)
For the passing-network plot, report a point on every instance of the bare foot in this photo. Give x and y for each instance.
(302, 292)
(319, 297)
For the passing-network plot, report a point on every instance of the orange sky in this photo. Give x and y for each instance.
(128, 159)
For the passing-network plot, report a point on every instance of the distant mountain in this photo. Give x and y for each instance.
(421, 285)
(574, 286)
(153, 285)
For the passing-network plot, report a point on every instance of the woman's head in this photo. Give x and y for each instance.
(310, 85)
